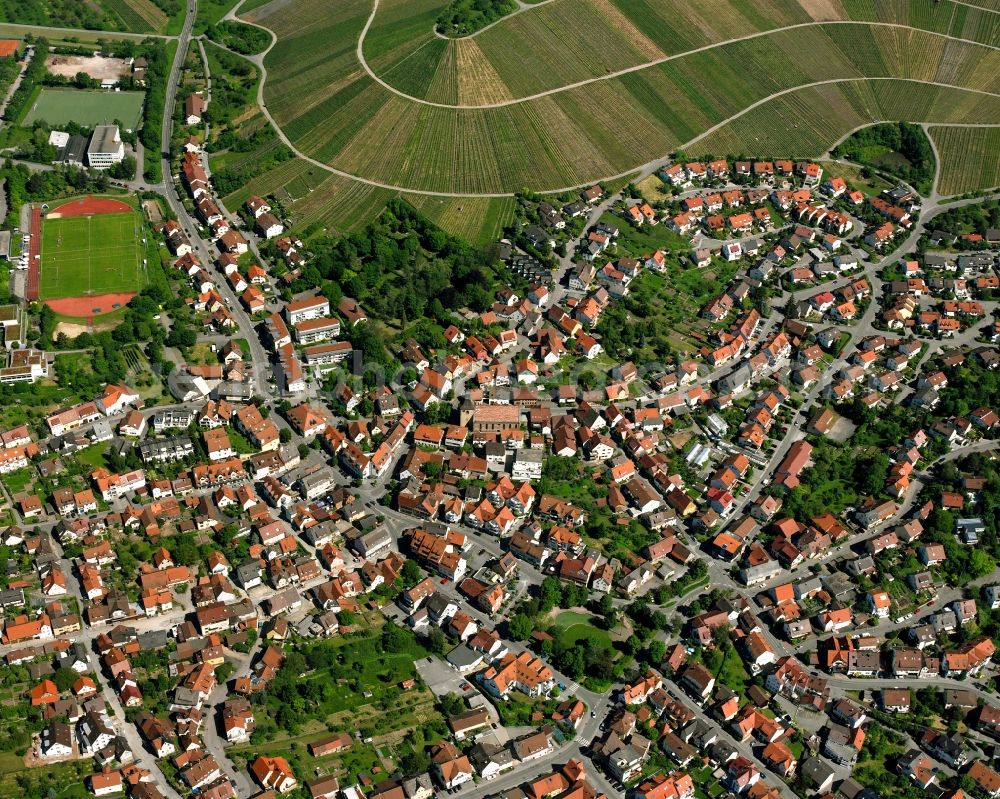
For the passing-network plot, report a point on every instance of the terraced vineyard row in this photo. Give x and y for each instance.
(309, 195)
(969, 158)
(530, 52)
(335, 112)
(990, 4)
(314, 58)
(399, 27)
(822, 114)
(272, 181)
(679, 26)
(135, 16)
(979, 26)
(340, 115)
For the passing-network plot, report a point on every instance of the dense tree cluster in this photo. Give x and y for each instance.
(157, 74)
(23, 186)
(58, 13)
(244, 39)
(234, 87)
(876, 145)
(973, 218)
(403, 267)
(33, 75)
(463, 17)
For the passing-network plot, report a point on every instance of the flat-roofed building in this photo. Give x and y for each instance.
(106, 147)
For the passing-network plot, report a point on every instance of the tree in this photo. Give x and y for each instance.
(656, 651)
(436, 640)
(451, 704)
(872, 472)
(632, 644)
(395, 639)
(124, 169)
(416, 761)
(980, 564)
(285, 435)
(607, 605)
(520, 627)
(550, 593)
(410, 573)
(64, 678)
(570, 659)
(181, 336)
(721, 636)
(943, 521)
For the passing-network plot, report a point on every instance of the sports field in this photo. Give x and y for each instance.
(91, 255)
(86, 107)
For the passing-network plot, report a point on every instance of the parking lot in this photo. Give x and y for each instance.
(442, 679)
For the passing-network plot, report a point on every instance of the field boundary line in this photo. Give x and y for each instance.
(978, 8)
(531, 6)
(627, 70)
(16, 27)
(90, 257)
(643, 169)
(640, 168)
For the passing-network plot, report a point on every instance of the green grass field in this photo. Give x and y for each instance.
(576, 627)
(91, 255)
(86, 107)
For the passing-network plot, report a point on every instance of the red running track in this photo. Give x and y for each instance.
(89, 206)
(89, 306)
(34, 247)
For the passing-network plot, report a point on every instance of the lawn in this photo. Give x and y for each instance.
(202, 353)
(86, 107)
(31, 403)
(92, 456)
(645, 240)
(18, 480)
(61, 780)
(90, 255)
(211, 11)
(727, 666)
(577, 627)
